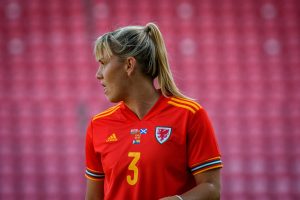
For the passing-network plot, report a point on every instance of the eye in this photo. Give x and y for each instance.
(101, 62)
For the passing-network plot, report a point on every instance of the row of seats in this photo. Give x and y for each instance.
(240, 60)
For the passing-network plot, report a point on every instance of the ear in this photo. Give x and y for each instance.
(130, 65)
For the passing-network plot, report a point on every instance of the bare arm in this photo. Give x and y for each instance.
(94, 190)
(208, 187)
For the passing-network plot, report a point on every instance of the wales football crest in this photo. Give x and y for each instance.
(162, 134)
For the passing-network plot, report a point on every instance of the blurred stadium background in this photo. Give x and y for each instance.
(239, 58)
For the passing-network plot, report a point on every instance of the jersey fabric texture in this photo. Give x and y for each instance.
(153, 157)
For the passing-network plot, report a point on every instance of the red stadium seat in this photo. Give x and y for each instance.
(239, 59)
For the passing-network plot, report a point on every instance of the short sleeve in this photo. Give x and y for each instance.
(94, 169)
(203, 150)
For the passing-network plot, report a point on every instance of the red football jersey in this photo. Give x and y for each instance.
(153, 157)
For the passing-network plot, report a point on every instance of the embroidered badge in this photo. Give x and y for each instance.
(143, 130)
(162, 134)
(137, 134)
(134, 131)
(137, 139)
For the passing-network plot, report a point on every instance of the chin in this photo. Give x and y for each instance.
(113, 99)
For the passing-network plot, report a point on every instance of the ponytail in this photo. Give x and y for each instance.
(165, 78)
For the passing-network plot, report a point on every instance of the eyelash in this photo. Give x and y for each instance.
(101, 63)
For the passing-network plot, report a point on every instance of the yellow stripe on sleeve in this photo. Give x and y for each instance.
(106, 113)
(186, 101)
(214, 158)
(93, 179)
(93, 170)
(108, 110)
(182, 106)
(209, 168)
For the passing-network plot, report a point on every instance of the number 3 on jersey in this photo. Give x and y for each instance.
(132, 180)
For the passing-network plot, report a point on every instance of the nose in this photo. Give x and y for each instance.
(99, 74)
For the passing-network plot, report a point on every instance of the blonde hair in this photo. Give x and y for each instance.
(146, 45)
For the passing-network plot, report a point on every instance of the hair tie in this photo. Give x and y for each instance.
(147, 29)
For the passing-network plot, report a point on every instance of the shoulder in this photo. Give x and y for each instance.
(108, 113)
(184, 104)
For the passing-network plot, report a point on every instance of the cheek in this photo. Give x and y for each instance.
(120, 85)
(113, 81)
(118, 77)
(116, 91)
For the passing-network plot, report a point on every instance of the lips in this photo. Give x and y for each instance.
(104, 87)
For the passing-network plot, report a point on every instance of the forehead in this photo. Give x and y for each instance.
(112, 58)
(102, 55)
(102, 49)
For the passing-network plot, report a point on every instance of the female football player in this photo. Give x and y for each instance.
(155, 143)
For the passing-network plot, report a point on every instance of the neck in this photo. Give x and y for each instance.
(142, 99)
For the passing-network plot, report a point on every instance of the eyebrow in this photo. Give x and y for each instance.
(101, 59)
